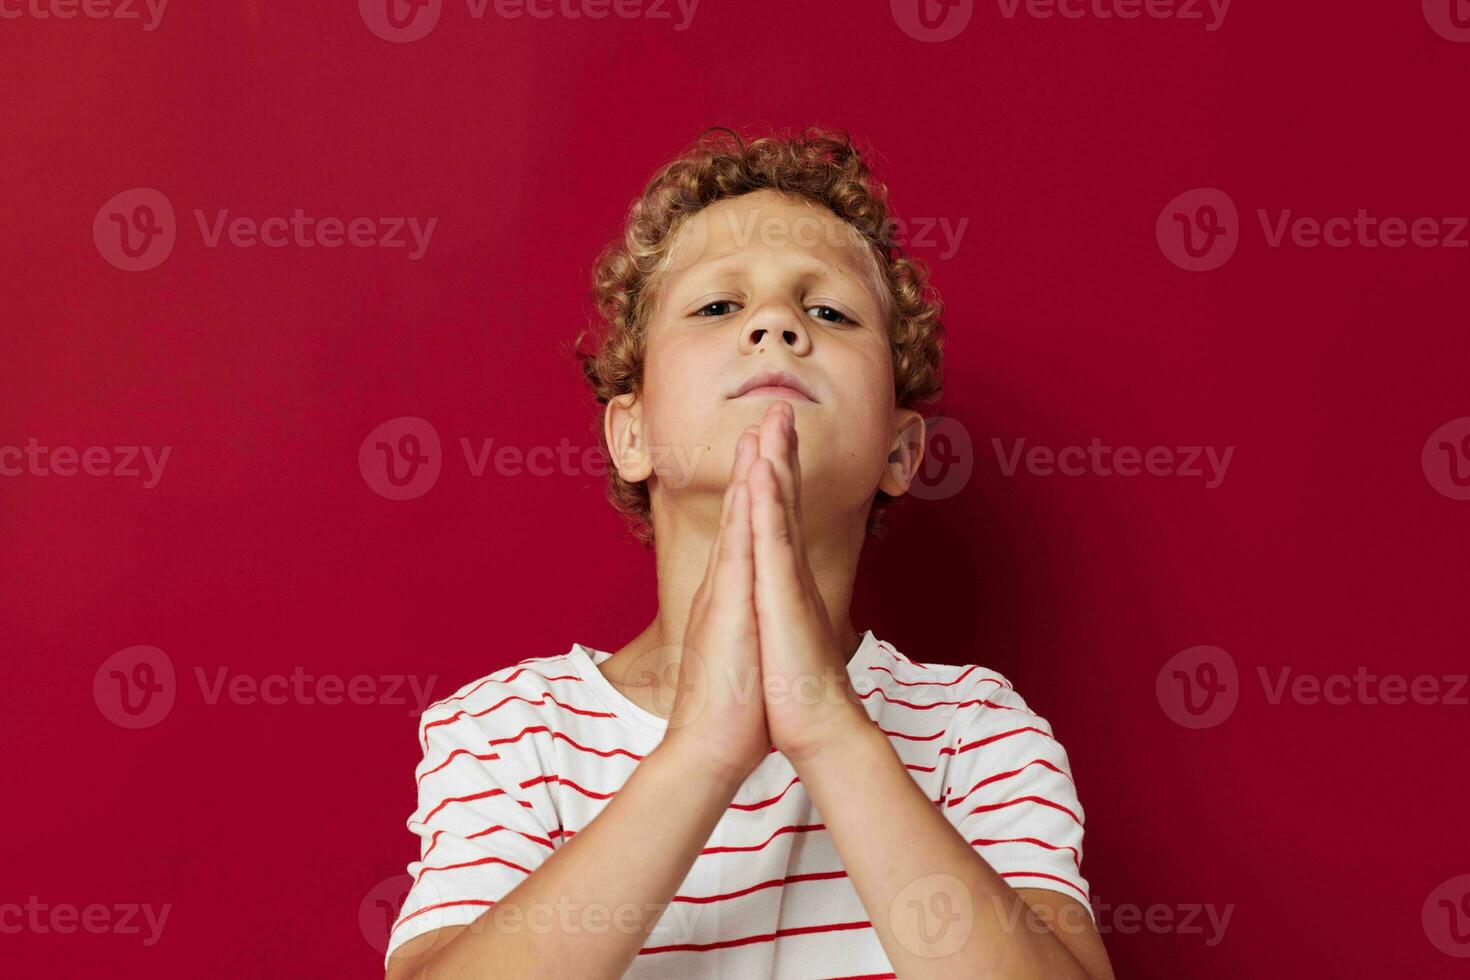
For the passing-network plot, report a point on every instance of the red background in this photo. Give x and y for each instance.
(263, 549)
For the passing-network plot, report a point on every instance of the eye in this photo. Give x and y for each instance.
(703, 310)
(841, 317)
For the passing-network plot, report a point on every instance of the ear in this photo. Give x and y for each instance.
(622, 425)
(906, 453)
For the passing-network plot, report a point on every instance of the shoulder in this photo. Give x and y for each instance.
(967, 706)
(505, 701)
(898, 678)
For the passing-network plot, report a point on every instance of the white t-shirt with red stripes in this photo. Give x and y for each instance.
(519, 761)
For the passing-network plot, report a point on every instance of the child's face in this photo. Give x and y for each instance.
(761, 283)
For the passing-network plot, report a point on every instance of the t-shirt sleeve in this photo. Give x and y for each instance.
(1009, 791)
(484, 818)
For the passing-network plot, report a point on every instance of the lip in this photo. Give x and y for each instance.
(775, 384)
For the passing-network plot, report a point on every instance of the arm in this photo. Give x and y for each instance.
(938, 907)
(588, 909)
(626, 865)
(908, 863)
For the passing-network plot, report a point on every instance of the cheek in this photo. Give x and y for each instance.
(855, 435)
(854, 442)
(681, 412)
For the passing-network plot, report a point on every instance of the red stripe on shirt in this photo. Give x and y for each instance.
(908, 737)
(534, 729)
(499, 704)
(440, 905)
(488, 757)
(501, 680)
(434, 840)
(762, 804)
(790, 829)
(900, 657)
(1076, 855)
(996, 738)
(1025, 799)
(746, 940)
(940, 704)
(814, 876)
(1006, 775)
(589, 793)
(967, 673)
(1038, 874)
(470, 799)
(471, 864)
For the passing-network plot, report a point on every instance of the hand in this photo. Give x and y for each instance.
(718, 708)
(809, 697)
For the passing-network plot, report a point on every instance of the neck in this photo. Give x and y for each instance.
(683, 538)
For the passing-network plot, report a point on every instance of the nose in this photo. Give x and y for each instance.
(778, 321)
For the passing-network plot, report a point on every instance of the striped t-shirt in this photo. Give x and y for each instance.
(518, 762)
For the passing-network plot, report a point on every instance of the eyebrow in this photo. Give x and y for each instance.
(865, 278)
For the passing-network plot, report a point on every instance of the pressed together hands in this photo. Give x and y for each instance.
(760, 665)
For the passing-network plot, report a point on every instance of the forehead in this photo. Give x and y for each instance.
(796, 230)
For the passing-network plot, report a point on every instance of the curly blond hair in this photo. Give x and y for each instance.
(817, 165)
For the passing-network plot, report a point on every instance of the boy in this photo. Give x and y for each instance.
(751, 787)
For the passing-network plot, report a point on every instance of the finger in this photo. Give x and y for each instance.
(745, 449)
(778, 446)
(793, 461)
(701, 595)
(779, 585)
(734, 581)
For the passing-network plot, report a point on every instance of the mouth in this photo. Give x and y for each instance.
(774, 384)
